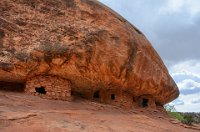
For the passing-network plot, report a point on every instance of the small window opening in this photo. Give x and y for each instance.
(113, 96)
(40, 90)
(96, 95)
(145, 102)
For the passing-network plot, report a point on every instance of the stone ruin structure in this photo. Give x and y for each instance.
(52, 86)
(60, 49)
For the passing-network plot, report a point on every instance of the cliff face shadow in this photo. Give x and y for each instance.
(12, 87)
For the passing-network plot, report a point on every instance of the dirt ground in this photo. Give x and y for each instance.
(21, 113)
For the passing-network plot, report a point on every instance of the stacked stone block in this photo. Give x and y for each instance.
(55, 87)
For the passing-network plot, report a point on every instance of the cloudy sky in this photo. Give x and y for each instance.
(173, 28)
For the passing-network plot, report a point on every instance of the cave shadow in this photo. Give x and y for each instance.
(12, 87)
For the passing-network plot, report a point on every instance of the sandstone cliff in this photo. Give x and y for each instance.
(83, 42)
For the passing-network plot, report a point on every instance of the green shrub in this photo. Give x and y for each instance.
(184, 118)
(188, 119)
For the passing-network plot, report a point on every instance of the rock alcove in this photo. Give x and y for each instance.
(80, 48)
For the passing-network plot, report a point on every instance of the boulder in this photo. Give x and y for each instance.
(100, 54)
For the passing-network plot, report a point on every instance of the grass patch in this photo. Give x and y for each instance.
(175, 115)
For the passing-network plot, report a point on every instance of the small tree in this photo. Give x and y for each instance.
(169, 108)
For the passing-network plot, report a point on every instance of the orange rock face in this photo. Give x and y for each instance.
(97, 52)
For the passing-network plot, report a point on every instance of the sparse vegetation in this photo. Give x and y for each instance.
(176, 115)
(186, 118)
(195, 116)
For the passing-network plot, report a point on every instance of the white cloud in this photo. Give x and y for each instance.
(187, 76)
(185, 73)
(176, 6)
(190, 103)
(172, 6)
(196, 101)
(188, 84)
(193, 6)
(188, 108)
(191, 67)
(177, 102)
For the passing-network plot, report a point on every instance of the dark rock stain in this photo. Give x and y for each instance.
(6, 66)
(128, 65)
(2, 34)
(70, 3)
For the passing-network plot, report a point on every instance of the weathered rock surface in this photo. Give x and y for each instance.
(83, 42)
(21, 113)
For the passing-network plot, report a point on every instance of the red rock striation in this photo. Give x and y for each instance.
(84, 44)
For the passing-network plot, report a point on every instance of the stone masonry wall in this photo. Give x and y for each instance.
(122, 99)
(150, 101)
(54, 87)
(49, 87)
